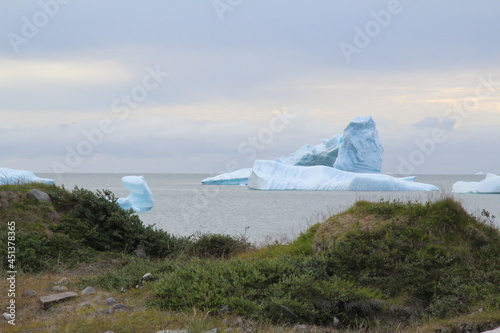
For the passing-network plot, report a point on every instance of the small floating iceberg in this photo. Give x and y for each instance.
(141, 198)
(18, 177)
(238, 177)
(270, 175)
(489, 185)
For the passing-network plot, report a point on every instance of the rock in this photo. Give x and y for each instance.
(228, 330)
(173, 331)
(85, 304)
(110, 301)
(225, 310)
(64, 281)
(336, 322)
(39, 196)
(109, 332)
(60, 288)
(48, 301)
(7, 316)
(496, 330)
(89, 290)
(301, 328)
(147, 277)
(29, 293)
(214, 330)
(118, 306)
(140, 252)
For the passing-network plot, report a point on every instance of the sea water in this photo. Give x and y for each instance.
(185, 207)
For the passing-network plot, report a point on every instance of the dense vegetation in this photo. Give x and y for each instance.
(80, 226)
(382, 264)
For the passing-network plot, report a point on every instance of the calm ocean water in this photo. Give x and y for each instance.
(184, 207)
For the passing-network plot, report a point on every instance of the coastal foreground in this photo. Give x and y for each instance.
(377, 267)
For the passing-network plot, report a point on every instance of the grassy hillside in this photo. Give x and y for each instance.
(387, 266)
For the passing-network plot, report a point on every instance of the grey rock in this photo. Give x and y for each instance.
(214, 330)
(109, 332)
(301, 328)
(110, 301)
(29, 293)
(173, 331)
(229, 329)
(225, 310)
(336, 322)
(140, 252)
(118, 306)
(48, 301)
(60, 288)
(89, 290)
(7, 316)
(85, 304)
(147, 277)
(39, 196)
(64, 281)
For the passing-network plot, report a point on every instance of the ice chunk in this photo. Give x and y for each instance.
(141, 198)
(491, 184)
(361, 150)
(270, 175)
(238, 177)
(308, 155)
(16, 177)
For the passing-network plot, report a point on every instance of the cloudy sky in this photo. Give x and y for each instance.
(206, 86)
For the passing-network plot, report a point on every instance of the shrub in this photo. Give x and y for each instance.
(218, 246)
(100, 223)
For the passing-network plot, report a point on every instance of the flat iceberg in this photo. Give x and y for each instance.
(270, 175)
(324, 153)
(361, 150)
(491, 184)
(141, 198)
(17, 177)
(238, 177)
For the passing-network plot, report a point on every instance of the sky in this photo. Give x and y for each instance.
(208, 86)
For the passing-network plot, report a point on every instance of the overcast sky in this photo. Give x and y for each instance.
(206, 86)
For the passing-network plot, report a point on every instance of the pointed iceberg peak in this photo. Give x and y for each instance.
(361, 150)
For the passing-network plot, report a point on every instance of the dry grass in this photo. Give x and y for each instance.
(338, 225)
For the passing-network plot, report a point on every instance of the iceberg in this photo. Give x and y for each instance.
(308, 155)
(489, 185)
(140, 199)
(17, 177)
(238, 177)
(271, 175)
(324, 153)
(361, 150)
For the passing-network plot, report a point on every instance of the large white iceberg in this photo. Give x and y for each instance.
(17, 177)
(270, 175)
(324, 153)
(141, 198)
(491, 184)
(361, 150)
